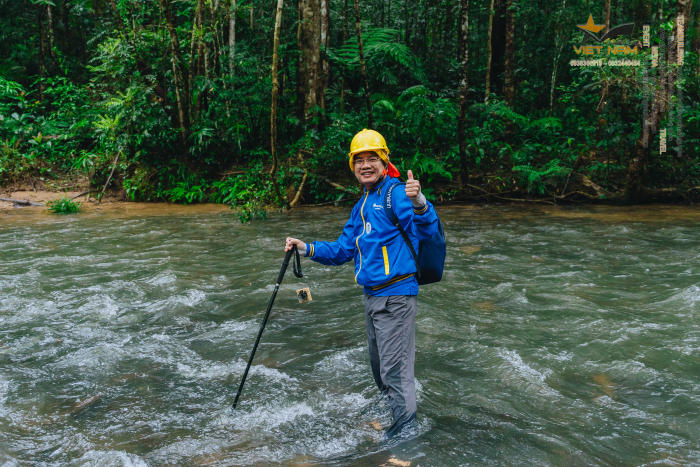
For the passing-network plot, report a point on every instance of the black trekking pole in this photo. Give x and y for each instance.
(297, 272)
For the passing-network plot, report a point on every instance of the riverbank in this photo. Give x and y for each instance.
(42, 197)
(29, 191)
(37, 190)
(114, 204)
(117, 209)
(109, 208)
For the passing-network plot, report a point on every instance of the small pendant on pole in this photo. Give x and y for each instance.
(304, 295)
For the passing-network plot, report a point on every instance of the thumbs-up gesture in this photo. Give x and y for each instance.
(412, 187)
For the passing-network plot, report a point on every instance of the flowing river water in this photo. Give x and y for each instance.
(558, 336)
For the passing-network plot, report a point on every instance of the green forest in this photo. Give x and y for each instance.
(254, 104)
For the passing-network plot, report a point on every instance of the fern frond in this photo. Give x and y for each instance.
(382, 48)
(537, 178)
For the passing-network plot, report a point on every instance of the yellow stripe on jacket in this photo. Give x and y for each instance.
(386, 261)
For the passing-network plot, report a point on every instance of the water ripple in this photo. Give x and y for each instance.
(557, 337)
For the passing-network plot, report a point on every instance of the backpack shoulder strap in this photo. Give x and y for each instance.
(388, 206)
(389, 210)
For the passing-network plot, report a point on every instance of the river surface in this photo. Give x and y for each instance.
(558, 336)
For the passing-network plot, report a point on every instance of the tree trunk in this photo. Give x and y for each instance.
(463, 87)
(642, 12)
(363, 69)
(420, 25)
(66, 34)
(42, 50)
(181, 96)
(49, 30)
(194, 45)
(202, 68)
(309, 66)
(382, 19)
(205, 51)
(509, 87)
(553, 82)
(180, 85)
(345, 38)
(636, 168)
(696, 39)
(604, 90)
(217, 39)
(346, 27)
(232, 39)
(498, 45)
(205, 55)
(325, 42)
(489, 52)
(406, 23)
(600, 109)
(275, 87)
(558, 46)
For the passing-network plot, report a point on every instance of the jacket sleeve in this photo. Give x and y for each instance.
(338, 252)
(424, 220)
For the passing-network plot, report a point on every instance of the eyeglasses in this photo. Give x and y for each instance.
(371, 160)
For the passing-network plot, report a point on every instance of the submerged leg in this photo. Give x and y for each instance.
(393, 320)
(372, 347)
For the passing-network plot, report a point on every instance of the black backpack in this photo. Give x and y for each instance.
(430, 260)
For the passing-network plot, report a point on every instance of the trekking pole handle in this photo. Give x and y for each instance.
(285, 263)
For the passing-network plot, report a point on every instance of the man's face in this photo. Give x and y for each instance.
(368, 168)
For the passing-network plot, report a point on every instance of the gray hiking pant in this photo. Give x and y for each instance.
(391, 337)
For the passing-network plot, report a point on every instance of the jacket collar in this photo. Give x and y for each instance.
(378, 186)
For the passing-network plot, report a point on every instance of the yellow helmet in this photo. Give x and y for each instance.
(368, 140)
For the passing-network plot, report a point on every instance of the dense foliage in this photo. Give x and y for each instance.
(93, 87)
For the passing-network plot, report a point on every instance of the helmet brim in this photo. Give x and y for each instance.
(381, 152)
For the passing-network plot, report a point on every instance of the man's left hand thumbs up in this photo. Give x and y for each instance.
(412, 187)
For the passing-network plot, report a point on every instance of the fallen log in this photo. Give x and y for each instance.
(21, 202)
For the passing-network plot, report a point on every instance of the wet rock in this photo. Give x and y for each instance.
(126, 378)
(271, 363)
(394, 462)
(486, 305)
(80, 406)
(302, 461)
(605, 384)
(470, 249)
(376, 425)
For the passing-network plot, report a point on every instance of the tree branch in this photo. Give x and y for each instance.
(301, 186)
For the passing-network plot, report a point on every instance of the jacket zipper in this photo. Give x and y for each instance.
(364, 226)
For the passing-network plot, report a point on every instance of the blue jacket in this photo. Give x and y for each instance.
(383, 262)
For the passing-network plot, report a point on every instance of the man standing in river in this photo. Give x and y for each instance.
(384, 266)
